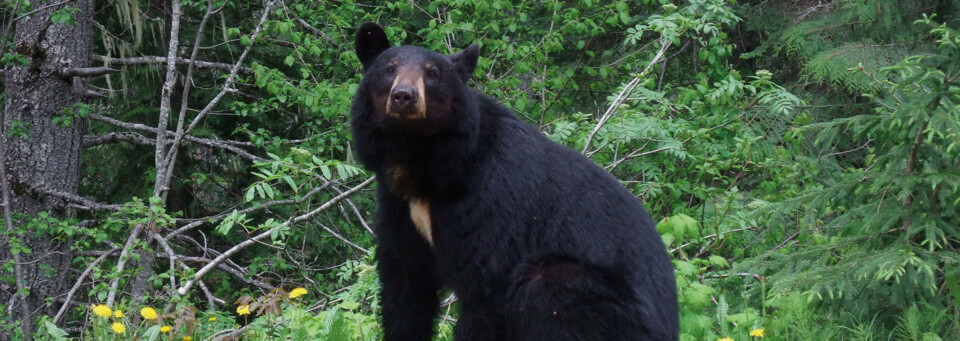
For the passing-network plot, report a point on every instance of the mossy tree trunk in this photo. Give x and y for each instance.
(41, 156)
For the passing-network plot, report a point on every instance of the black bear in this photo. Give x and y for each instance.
(536, 241)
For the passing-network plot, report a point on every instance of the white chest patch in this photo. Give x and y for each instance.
(420, 214)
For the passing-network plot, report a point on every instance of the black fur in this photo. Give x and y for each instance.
(537, 241)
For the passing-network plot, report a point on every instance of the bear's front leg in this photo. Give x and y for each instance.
(408, 277)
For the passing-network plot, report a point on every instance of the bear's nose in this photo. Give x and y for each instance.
(403, 99)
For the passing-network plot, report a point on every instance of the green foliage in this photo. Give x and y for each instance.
(19, 129)
(68, 114)
(64, 16)
(891, 221)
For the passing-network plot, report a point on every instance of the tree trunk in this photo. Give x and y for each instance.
(41, 156)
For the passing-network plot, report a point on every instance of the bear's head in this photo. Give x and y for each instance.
(412, 89)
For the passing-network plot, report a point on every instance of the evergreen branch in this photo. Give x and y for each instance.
(911, 164)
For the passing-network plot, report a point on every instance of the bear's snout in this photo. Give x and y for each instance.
(408, 97)
(403, 100)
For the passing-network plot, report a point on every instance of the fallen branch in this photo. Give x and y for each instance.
(171, 256)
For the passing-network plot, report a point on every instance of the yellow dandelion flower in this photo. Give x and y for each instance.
(243, 310)
(165, 329)
(212, 319)
(118, 327)
(102, 310)
(148, 313)
(298, 292)
(187, 338)
(725, 339)
(757, 332)
(117, 313)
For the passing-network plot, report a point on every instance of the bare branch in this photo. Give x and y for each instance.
(184, 259)
(229, 146)
(172, 256)
(363, 222)
(212, 301)
(159, 163)
(93, 94)
(168, 161)
(622, 97)
(121, 263)
(203, 271)
(200, 221)
(223, 267)
(92, 71)
(151, 60)
(88, 203)
(93, 141)
(76, 285)
(314, 30)
(635, 154)
(338, 236)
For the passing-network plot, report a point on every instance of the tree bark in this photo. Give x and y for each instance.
(40, 154)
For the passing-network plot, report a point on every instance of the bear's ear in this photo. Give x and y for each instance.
(466, 61)
(370, 42)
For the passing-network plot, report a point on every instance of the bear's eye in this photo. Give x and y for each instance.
(433, 73)
(391, 70)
